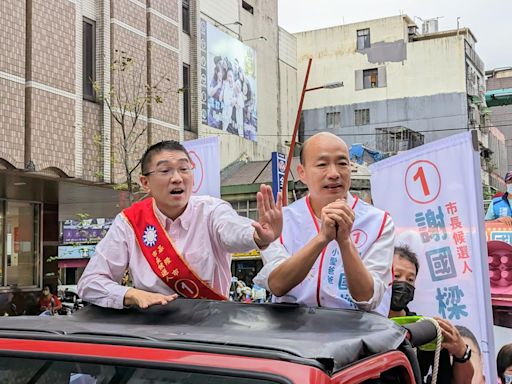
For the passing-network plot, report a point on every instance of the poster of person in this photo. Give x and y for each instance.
(228, 83)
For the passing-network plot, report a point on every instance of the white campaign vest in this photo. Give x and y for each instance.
(329, 287)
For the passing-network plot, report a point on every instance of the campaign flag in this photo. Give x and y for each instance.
(434, 195)
(278, 168)
(204, 154)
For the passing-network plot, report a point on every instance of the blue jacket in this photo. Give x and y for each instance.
(501, 206)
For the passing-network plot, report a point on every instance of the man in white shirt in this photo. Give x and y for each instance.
(335, 250)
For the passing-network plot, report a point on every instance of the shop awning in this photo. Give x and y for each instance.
(498, 97)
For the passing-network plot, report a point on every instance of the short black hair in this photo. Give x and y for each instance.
(406, 253)
(165, 145)
(504, 360)
(466, 332)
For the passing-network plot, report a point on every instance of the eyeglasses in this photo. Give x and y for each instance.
(168, 172)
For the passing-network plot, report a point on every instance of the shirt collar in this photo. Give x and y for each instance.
(184, 219)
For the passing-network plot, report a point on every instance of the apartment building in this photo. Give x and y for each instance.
(402, 87)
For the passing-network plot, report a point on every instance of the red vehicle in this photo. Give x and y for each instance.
(199, 341)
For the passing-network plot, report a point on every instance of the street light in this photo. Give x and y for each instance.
(296, 128)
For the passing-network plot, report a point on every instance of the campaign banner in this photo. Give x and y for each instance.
(228, 83)
(498, 232)
(434, 195)
(85, 231)
(278, 168)
(75, 251)
(204, 154)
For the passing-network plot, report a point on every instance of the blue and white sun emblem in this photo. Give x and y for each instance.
(149, 238)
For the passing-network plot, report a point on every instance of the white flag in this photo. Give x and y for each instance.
(204, 153)
(434, 195)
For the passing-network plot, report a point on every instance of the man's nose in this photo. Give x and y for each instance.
(332, 171)
(176, 177)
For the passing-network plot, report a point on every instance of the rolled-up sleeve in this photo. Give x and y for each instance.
(378, 260)
(272, 257)
(100, 282)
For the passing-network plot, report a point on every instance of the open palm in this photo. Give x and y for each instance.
(270, 223)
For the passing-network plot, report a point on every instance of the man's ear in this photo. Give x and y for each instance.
(302, 173)
(145, 183)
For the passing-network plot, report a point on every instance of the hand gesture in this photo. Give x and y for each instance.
(328, 226)
(344, 217)
(145, 299)
(270, 223)
(452, 340)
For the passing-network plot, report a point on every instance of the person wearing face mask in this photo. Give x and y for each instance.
(455, 366)
(500, 208)
(504, 363)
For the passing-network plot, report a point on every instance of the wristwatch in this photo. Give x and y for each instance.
(465, 357)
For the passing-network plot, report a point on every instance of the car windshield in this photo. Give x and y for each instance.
(41, 371)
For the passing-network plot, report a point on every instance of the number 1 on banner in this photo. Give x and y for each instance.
(422, 181)
(421, 175)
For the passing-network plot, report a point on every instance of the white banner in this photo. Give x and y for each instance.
(434, 195)
(204, 153)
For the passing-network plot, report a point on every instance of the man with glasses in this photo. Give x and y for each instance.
(174, 243)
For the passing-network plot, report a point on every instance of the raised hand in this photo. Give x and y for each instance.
(270, 224)
(145, 299)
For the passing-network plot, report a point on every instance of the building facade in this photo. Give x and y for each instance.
(499, 100)
(401, 88)
(84, 83)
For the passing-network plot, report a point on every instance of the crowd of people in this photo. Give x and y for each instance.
(230, 98)
(175, 244)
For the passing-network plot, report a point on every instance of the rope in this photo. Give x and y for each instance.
(439, 340)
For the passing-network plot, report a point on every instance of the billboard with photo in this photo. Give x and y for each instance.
(228, 83)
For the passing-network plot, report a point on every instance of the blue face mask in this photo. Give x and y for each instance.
(509, 189)
(508, 379)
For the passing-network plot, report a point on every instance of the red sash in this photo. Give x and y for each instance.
(161, 254)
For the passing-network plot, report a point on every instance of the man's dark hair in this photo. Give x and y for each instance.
(406, 253)
(504, 360)
(166, 145)
(466, 332)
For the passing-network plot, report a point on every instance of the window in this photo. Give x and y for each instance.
(333, 120)
(370, 78)
(89, 58)
(362, 116)
(20, 243)
(246, 208)
(186, 98)
(40, 370)
(363, 39)
(185, 14)
(248, 7)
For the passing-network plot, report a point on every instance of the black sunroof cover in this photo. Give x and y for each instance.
(341, 336)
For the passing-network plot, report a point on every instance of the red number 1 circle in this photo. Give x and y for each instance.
(422, 182)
